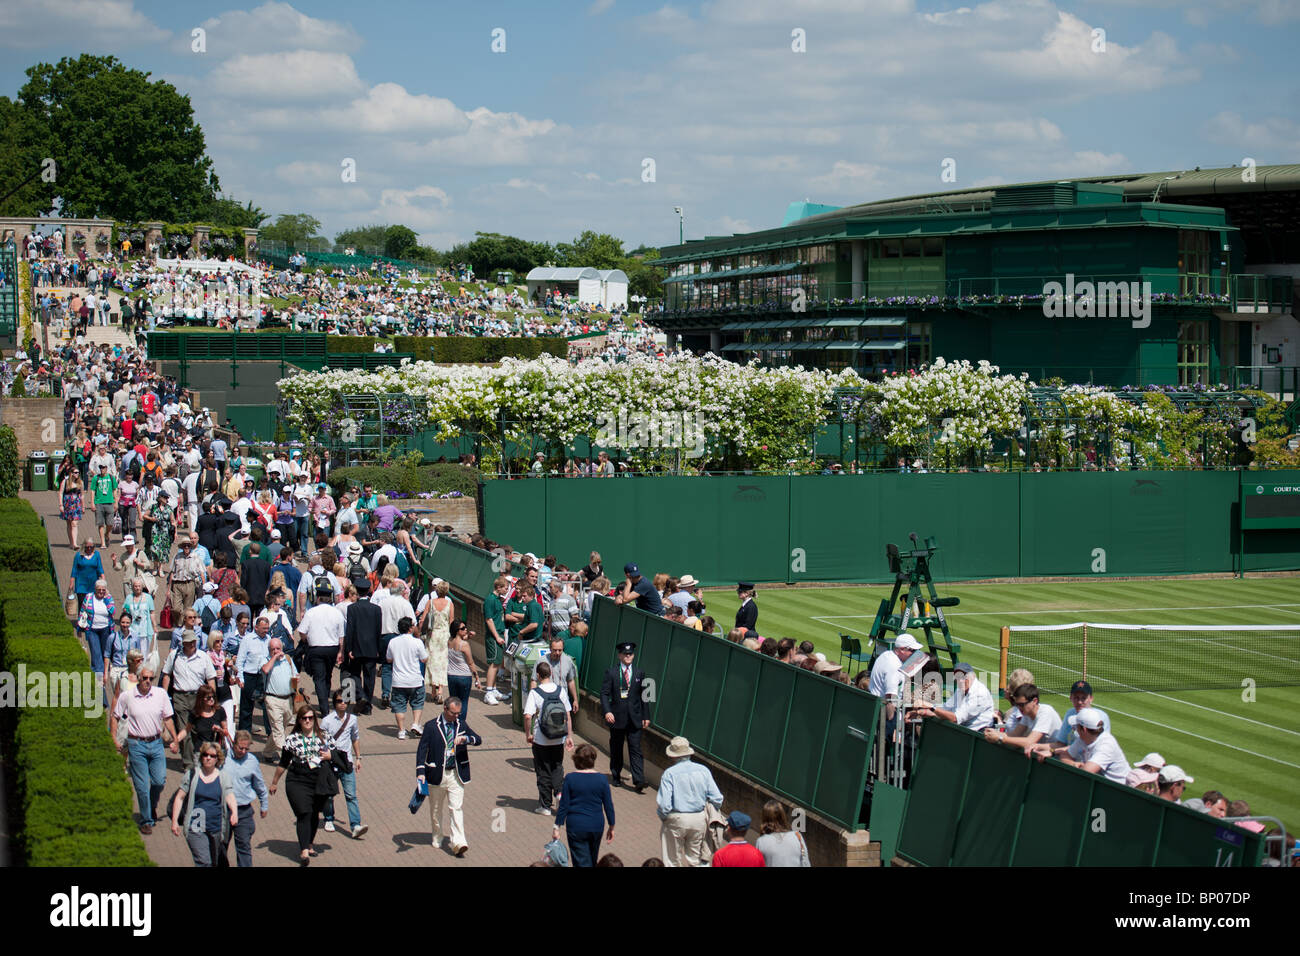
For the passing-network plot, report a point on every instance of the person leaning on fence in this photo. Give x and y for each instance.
(886, 678)
(1038, 722)
(971, 704)
(686, 789)
(1094, 749)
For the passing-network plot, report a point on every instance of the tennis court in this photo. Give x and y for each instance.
(1248, 749)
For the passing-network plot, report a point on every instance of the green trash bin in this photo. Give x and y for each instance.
(255, 468)
(38, 471)
(57, 458)
(523, 660)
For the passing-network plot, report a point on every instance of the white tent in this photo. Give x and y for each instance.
(209, 265)
(607, 288)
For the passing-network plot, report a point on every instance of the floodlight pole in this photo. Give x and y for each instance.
(681, 225)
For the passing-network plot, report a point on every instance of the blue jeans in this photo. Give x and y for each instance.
(460, 687)
(302, 528)
(242, 833)
(584, 848)
(149, 775)
(97, 639)
(385, 672)
(349, 784)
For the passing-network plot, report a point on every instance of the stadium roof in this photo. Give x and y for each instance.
(568, 274)
(612, 275)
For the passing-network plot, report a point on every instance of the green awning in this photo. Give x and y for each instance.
(897, 346)
(885, 323)
(845, 323)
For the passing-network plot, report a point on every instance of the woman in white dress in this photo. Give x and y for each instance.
(438, 626)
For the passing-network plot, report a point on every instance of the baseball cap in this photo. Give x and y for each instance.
(1081, 687)
(1152, 760)
(907, 642)
(1174, 773)
(209, 587)
(963, 668)
(631, 568)
(1089, 717)
(128, 539)
(275, 534)
(1138, 776)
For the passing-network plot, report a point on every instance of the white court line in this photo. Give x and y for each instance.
(1096, 610)
(1175, 700)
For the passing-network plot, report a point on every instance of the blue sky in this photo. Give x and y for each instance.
(551, 136)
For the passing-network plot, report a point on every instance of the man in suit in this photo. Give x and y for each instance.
(747, 616)
(361, 634)
(626, 714)
(446, 773)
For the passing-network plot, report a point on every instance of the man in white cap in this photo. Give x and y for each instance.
(347, 514)
(1094, 749)
(1173, 781)
(886, 681)
(208, 607)
(684, 789)
(971, 705)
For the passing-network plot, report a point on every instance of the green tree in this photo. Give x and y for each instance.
(22, 151)
(225, 211)
(400, 242)
(643, 276)
(125, 147)
(294, 228)
(490, 251)
(362, 238)
(597, 250)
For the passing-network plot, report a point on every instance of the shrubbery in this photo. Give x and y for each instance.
(428, 479)
(453, 349)
(10, 483)
(74, 798)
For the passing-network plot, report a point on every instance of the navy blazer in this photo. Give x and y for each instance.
(431, 754)
(627, 713)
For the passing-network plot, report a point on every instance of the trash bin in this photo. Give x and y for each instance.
(57, 458)
(38, 471)
(256, 468)
(521, 672)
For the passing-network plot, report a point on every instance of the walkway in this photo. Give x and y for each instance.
(500, 823)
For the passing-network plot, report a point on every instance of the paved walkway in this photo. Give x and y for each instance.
(500, 824)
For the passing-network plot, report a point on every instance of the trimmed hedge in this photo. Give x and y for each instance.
(9, 479)
(74, 798)
(436, 479)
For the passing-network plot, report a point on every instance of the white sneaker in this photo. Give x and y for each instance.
(329, 826)
(416, 729)
(490, 696)
(401, 735)
(359, 831)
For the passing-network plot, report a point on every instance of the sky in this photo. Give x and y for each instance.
(544, 119)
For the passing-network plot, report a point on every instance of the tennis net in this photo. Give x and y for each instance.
(1117, 658)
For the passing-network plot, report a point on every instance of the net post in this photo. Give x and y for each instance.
(1084, 675)
(1004, 644)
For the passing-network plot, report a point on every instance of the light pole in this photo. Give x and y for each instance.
(681, 225)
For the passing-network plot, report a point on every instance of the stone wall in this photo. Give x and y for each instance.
(38, 423)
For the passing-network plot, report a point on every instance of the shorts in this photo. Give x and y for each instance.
(403, 695)
(492, 651)
(104, 512)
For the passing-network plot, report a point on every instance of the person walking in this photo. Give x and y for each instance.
(186, 670)
(96, 621)
(340, 729)
(104, 488)
(438, 620)
(159, 520)
(322, 629)
(405, 654)
(586, 805)
(442, 763)
(462, 674)
(254, 651)
(623, 704)
(87, 568)
(548, 727)
(780, 845)
(210, 809)
(146, 710)
(72, 497)
(280, 677)
(362, 631)
(304, 752)
(684, 791)
(245, 776)
(207, 724)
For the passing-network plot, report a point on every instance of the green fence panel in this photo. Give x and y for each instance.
(1182, 843)
(1053, 804)
(709, 679)
(467, 567)
(935, 797)
(673, 686)
(732, 729)
(254, 422)
(994, 802)
(842, 776)
(514, 512)
(804, 741)
(602, 636)
(768, 722)
(1120, 829)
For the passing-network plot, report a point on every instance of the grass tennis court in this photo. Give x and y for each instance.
(1250, 751)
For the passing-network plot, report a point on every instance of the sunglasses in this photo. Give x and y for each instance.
(209, 756)
(306, 719)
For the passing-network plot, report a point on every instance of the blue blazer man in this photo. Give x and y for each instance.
(623, 702)
(431, 755)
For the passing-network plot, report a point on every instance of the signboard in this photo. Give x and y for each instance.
(1268, 503)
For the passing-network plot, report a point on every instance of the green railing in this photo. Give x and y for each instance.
(976, 803)
(798, 734)
(9, 291)
(470, 569)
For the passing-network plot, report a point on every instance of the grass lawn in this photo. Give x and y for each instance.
(1248, 750)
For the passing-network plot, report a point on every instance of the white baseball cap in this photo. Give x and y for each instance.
(1174, 773)
(128, 539)
(1152, 761)
(209, 587)
(1089, 717)
(907, 642)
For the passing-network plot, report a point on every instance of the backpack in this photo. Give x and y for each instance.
(324, 589)
(552, 720)
(208, 617)
(357, 575)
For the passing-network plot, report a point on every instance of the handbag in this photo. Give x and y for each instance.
(165, 622)
(71, 605)
(339, 758)
(327, 781)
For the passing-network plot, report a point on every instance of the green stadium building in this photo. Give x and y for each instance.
(1166, 278)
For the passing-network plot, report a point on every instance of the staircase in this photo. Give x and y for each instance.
(108, 335)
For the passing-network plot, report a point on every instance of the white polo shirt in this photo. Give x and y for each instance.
(886, 676)
(406, 651)
(323, 626)
(1105, 752)
(394, 608)
(1048, 722)
(974, 707)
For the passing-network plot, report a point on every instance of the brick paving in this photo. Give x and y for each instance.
(500, 824)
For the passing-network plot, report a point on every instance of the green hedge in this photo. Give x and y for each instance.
(9, 480)
(452, 349)
(74, 797)
(436, 479)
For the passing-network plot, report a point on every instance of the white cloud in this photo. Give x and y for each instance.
(389, 108)
(516, 183)
(1279, 135)
(844, 175)
(277, 26)
(299, 75)
(101, 23)
(730, 225)
(599, 7)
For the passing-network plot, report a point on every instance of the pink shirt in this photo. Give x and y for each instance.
(144, 713)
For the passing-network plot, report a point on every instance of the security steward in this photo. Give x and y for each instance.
(747, 615)
(626, 714)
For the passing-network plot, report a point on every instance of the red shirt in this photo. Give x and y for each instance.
(148, 402)
(739, 853)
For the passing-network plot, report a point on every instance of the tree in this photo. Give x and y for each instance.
(643, 276)
(225, 211)
(294, 229)
(597, 250)
(22, 155)
(362, 238)
(126, 148)
(400, 242)
(490, 251)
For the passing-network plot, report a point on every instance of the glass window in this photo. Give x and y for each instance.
(891, 248)
(1193, 353)
(932, 246)
(912, 247)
